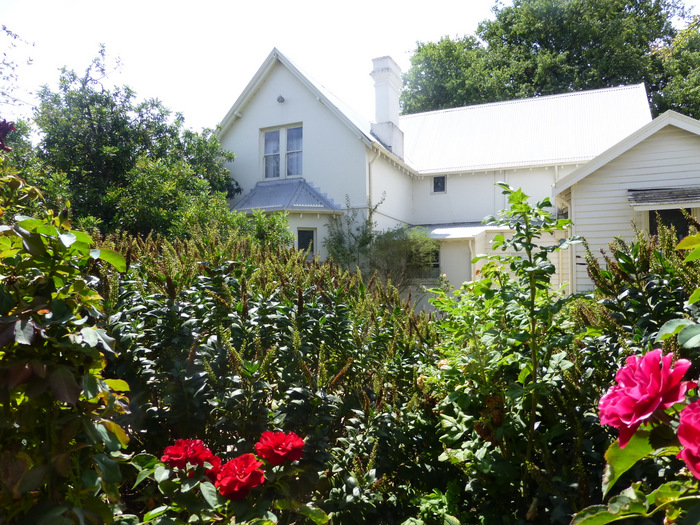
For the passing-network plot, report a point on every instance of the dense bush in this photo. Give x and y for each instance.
(225, 340)
(59, 444)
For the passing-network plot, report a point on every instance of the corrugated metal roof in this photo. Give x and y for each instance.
(556, 129)
(288, 195)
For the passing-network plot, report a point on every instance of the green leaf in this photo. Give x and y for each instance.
(81, 237)
(316, 515)
(67, 239)
(689, 337)
(118, 385)
(24, 331)
(63, 385)
(689, 242)
(621, 460)
(161, 473)
(595, 515)
(108, 468)
(694, 297)
(158, 511)
(670, 491)
(110, 256)
(671, 328)
(141, 476)
(109, 439)
(210, 494)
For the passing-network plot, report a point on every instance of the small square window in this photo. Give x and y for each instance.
(439, 184)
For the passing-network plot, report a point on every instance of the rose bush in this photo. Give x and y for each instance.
(198, 485)
(689, 436)
(278, 447)
(648, 392)
(646, 384)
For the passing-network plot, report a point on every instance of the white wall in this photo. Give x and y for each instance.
(470, 197)
(600, 210)
(314, 221)
(392, 187)
(334, 158)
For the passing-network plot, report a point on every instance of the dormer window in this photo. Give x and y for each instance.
(283, 152)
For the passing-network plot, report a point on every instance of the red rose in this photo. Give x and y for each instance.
(689, 436)
(278, 447)
(235, 478)
(184, 451)
(644, 385)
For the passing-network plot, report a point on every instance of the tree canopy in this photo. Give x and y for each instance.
(107, 144)
(543, 47)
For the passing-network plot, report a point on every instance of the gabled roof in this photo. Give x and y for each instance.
(286, 195)
(557, 129)
(669, 118)
(348, 116)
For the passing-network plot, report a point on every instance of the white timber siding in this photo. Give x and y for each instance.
(601, 212)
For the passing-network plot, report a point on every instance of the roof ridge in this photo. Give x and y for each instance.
(523, 100)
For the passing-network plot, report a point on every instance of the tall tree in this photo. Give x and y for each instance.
(543, 47)
(98, 137)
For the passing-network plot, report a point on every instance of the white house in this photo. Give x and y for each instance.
(655, 169)
(301, 150)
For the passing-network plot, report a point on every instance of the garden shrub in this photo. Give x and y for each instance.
(60, 446)
(225, 342)
(514, 391)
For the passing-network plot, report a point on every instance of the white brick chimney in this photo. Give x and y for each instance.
(387, 86)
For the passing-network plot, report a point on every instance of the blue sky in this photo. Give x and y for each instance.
(198, 56)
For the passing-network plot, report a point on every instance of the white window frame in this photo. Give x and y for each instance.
(282, 152)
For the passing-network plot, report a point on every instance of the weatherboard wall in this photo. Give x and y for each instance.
(600, 208)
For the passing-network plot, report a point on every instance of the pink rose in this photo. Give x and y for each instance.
(235, 478)
(644, 385)
(689, 436)
(278, 447)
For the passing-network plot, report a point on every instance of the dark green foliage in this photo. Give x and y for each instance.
(224, 348)
(59, 445)
(516, 394)
(398, 256)
(643, 285)
(108, 146)
(543, 47)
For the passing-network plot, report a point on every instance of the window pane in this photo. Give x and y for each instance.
(272, 166)
(294, 163)
(294, 139)
(272, 142)
(669, 218)
(439, 184)
(305, 240)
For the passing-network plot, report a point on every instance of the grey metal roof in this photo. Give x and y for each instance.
(556, 129)
(648, 196)
(286, 195)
